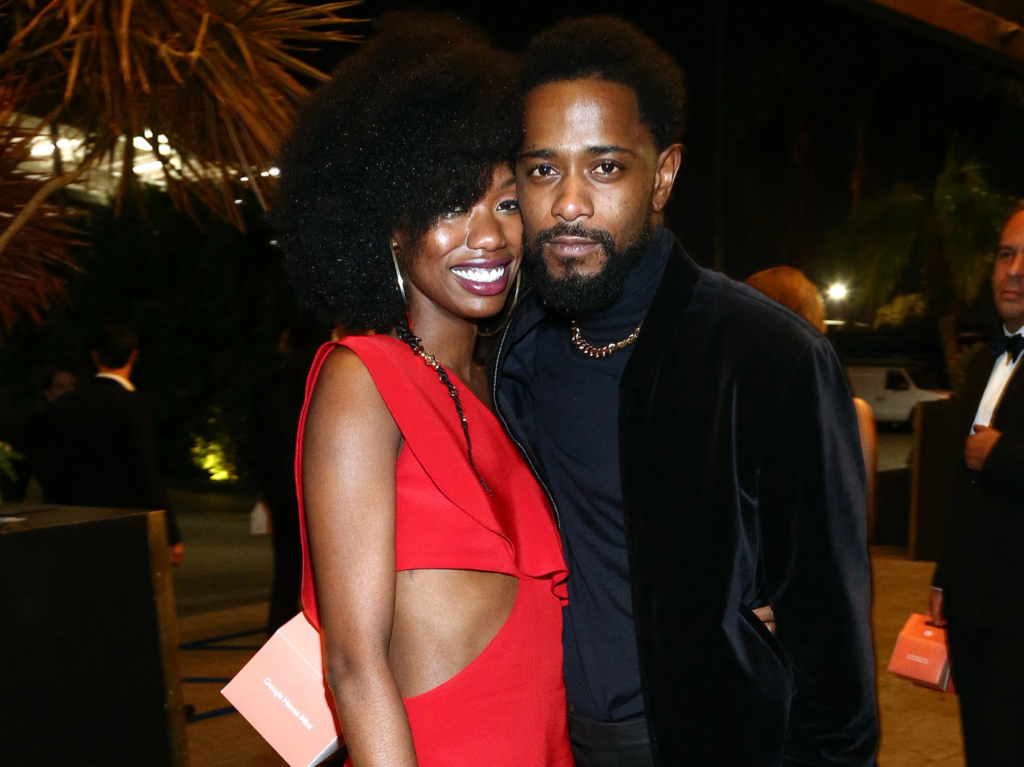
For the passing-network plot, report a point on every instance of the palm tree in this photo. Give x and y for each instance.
(951, 235)
(214, 84)
(879, 238)
(37, 262)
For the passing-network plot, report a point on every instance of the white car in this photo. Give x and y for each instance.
(891, 391)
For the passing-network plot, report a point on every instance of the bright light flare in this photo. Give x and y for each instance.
(44, 149)
(838, 292)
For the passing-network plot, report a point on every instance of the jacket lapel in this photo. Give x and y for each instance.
(661, 324)
(1010, 401)
(977, 381)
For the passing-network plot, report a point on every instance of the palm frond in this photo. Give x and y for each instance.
(880, 238)
(968, 217)
(37, 262)
(215, 77)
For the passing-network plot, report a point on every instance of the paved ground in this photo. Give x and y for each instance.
(224, 566)
(222, 587)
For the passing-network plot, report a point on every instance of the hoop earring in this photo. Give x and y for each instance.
(398, 272)
(508, 314)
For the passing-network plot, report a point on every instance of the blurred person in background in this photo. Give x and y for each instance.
(433, 568)
(275, 425)
(791, 288)
(29, 437)
(12, 443)
(102, 447)
(56, 381)
(978, 587)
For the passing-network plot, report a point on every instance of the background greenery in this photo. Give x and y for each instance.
(209, 302)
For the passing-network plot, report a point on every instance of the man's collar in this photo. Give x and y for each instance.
(672, 298)
(120, 379)
(531, 310)
(664, 316)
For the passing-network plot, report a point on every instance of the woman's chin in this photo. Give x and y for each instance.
(482, 311)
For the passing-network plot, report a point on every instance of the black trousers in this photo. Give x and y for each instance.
(601, 744)
(287, 585)
(988, 672)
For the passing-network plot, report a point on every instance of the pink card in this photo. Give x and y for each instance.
(921, 654)
(281, 692)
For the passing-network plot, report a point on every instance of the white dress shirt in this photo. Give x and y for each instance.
(1002, 372)
(125, 382)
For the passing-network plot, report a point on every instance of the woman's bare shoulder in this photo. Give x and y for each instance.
(345, 390)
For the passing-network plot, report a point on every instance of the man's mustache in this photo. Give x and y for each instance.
(600, 236)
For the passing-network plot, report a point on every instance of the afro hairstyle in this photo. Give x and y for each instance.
(409, 127)
(611, 49)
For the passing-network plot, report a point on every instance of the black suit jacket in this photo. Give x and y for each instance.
(103, 452)
(742, 481)
(980, 566)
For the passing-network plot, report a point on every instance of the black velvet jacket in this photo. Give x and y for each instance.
(742, 483)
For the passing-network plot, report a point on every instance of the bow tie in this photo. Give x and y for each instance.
(1012, 345)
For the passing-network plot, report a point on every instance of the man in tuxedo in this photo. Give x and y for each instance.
(978, 588)
(103, 450)
(698, 443)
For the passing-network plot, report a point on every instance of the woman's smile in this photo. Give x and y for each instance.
(482, 276)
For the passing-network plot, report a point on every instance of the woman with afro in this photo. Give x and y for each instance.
(432, 562)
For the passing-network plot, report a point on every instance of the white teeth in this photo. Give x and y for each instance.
(476, 274)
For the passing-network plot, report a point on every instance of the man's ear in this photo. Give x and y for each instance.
(669, 162)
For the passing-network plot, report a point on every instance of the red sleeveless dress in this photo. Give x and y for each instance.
(507, 707)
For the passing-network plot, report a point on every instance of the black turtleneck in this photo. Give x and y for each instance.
(575, 401)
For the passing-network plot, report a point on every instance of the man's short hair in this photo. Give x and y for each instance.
(609, 48)
(114, 343)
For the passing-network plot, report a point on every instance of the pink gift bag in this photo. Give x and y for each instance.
(281, 692)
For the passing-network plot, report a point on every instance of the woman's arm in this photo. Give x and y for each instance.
(869, 448)
(349, 452)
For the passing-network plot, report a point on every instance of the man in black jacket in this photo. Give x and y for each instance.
(979, 581)
(103, 448)
(698, 443)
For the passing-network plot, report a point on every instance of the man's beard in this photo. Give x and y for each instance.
(574, 295)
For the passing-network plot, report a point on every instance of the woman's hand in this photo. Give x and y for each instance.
(767, 616)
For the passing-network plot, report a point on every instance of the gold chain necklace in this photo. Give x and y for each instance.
(600, 352)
